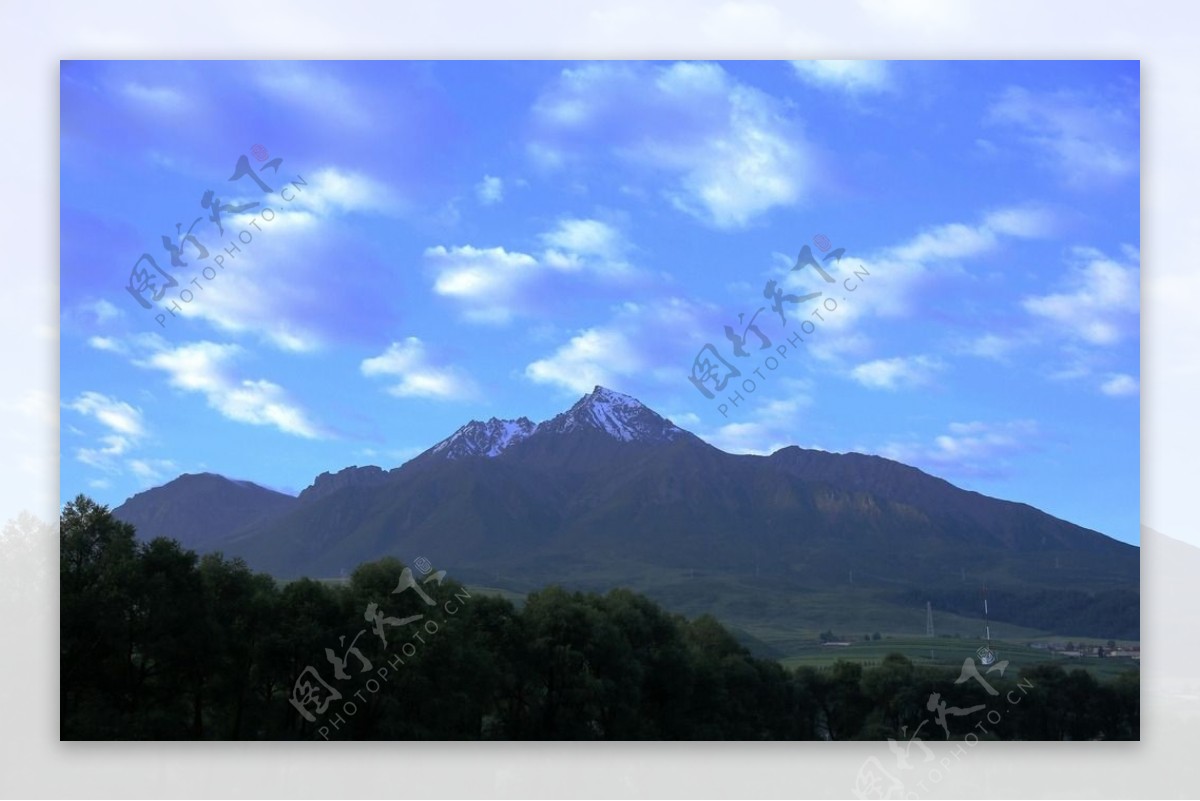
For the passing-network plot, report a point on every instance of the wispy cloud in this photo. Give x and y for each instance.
(312, 88)
(593, 356)
(964, 240)
(1120, 385)
(150, 471)
(111, 344)
(116, 415)
(900, 273)
(969, 449)
(123, 422)
(1100, 300)
(409, 361)
(489, 191)
(992, 346)
(1087, 140)
(901, 372)
(854, 77)
(586, 238)
(639, 347)
(770, 424)
(281, 282)
(105, 311)
(486, 282)
(207, 368)
(494, 285)
(734, 151)
(333, 191)
(161, 99)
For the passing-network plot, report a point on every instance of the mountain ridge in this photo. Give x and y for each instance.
(609, 493)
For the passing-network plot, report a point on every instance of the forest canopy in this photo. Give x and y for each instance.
(160, 643)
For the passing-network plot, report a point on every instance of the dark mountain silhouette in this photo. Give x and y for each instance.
(609, 493)
(199, 509)
(328, 483)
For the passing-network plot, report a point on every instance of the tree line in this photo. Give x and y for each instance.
(160, 643)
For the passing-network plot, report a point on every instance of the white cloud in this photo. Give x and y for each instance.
(149, 471)
(854, 77)
(1100, 304)
(409, 361)
(953, 241)
(124, 423)
(158, 98)
(986, 147)
(735, 152)
(116, 415)
(262, 403)
(487, 282)
(1119, 385)
(111, 344)
(105, 311)
(898, 273)
(595, 356)
(490, 190)
(206, 368)
(1084, 139)
(901, 372)
(494, 285)
(837, 349)
(769, 424)
(313, 88)
(991, 346)
(104, 457)
(640, 346)
(1025, 222)
(585, 237)
(284, 284)
(125, 429)
(968, 449)
(335, 191)
(961, 240)
(1096, 308)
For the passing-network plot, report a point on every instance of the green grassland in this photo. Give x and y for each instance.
(786, 624)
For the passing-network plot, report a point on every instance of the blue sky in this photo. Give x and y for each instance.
(459, 240)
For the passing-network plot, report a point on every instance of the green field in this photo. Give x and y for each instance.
(787, 627)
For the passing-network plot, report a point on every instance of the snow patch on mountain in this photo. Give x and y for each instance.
(620, 416)
(488, 438)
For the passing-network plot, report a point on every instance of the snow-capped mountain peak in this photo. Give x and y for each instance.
(488, 438)
(620, 416)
